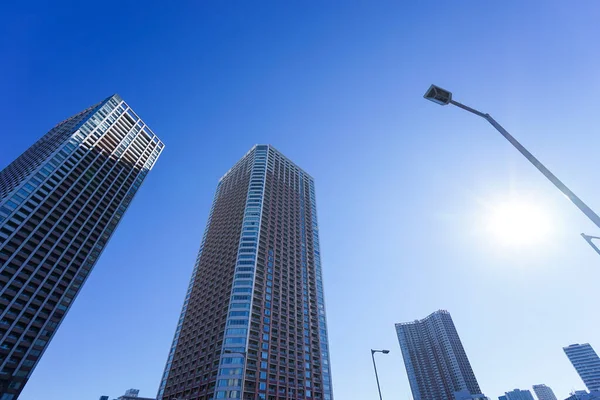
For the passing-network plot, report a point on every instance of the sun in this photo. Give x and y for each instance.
(518, 222)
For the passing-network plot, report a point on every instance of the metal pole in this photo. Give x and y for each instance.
(551, 177)
(376, 376)
(588, 239)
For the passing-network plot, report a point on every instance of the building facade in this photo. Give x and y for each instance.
(543, 392)
(253, 322)
(465, 395)
(60, 202)
(435, 360)
(517, 394)
(586, 363)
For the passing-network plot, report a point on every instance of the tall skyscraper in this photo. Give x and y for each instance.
(253, 321)
(436, 363)
(586, 363)
(543, 392)
(60, 202)
(517, 394)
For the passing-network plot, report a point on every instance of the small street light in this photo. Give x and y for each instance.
(375, 367)
(443, 97)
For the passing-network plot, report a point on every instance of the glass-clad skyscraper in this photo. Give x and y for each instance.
(253, 322)
(434, 357)
(60, 202)
(586, 362)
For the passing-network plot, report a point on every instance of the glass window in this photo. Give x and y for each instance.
(236, 340)
(233, 360)
(239, 313)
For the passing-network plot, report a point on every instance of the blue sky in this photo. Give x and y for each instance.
(402, 184)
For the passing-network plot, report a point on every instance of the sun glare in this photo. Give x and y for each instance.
(518, 223)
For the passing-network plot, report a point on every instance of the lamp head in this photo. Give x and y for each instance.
(379, 351)
(438, 95)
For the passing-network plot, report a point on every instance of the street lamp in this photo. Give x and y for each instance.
(375, 367)
(444, 97)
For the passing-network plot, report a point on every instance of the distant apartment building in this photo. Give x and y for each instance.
(435, 360)
(133, 394)
(586, 363)
(584, 395)
(517, 394)
(543, 392)
(130, 394)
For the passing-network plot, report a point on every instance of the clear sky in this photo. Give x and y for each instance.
(404, 187)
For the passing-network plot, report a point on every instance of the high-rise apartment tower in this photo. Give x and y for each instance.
(435, 360)
(60, 202)
(253, 321)
(544, 392)
(586, 362)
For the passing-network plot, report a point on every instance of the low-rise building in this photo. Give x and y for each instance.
(583, 395)
(130, 394)
(517, 394)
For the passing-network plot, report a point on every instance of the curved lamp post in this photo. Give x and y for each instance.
(444, 97)
(375, 367)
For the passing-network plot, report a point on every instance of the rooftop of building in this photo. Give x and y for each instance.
(418, 321)
(271, 147)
